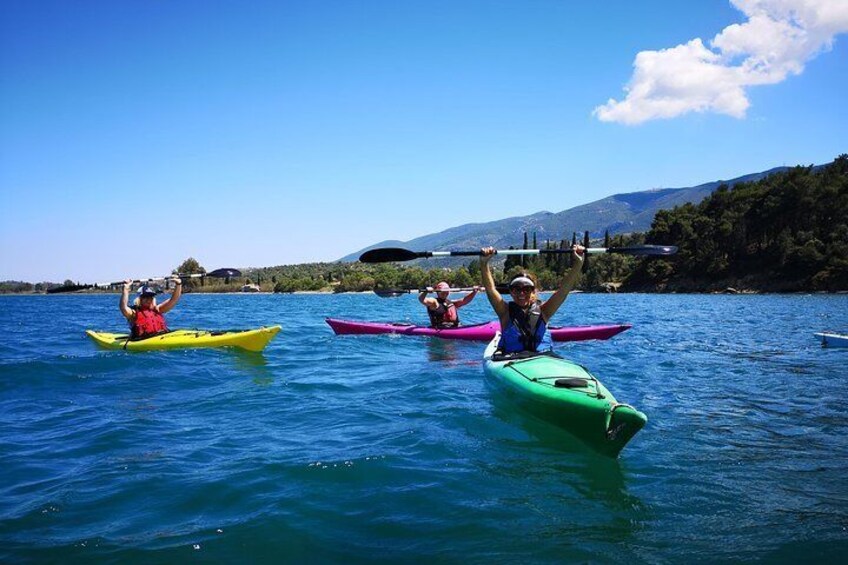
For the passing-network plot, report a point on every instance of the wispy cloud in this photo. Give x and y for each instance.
(776, 41)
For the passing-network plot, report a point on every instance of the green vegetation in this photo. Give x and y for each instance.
(787, 232)
(16, 286)
(21, 287)
(190, 267)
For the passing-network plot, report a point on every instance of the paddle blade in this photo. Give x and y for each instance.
(645, 250)
(389, 292)
(389, 254)
(224, 273)
(68, 288)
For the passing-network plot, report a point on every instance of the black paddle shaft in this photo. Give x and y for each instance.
(398, 254)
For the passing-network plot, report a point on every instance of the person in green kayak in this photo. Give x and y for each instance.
(524, 320)
(145, 316)
(441, 309)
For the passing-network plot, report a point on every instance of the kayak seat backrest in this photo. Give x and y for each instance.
(572, 382)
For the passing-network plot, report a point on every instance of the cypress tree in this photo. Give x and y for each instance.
(511, 261)
(535, 261)
(523, 261)
(561, 257)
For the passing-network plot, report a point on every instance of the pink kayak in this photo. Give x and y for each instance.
(478, 332)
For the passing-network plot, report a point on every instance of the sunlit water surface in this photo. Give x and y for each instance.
(394, 449)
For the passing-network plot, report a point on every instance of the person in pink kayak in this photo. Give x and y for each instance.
(441, 309)
(524, 320)
(145, 316)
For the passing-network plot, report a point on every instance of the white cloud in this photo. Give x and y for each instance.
(776, 41)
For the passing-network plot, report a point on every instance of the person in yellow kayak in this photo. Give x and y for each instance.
(145, 316)
(524, 320)
(441, 309)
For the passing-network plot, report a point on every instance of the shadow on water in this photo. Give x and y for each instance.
(587, 496)
(566, 459)
(442, 350)
(596, 476)
(254, 364)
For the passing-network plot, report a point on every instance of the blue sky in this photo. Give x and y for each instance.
(135, 134)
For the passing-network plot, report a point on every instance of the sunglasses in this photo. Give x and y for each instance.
(520, 289)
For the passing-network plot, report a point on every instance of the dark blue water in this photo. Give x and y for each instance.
(386, 448)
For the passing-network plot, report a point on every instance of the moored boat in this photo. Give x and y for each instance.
(832, 339)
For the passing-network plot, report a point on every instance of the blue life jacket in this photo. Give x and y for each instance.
(525, 331)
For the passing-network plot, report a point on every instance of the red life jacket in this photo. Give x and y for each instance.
(445, 316)
(147, 323)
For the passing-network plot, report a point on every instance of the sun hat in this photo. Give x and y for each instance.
(442, 287)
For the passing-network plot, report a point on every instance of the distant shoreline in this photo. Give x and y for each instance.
(330, 292)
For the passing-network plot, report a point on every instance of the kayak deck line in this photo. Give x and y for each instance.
(543, 380)
(186, 332)
(591, 378)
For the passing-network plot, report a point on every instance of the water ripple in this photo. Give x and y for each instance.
(390, 448)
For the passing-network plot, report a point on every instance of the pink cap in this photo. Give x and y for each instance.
(442, 287)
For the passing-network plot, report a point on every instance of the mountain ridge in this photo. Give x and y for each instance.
(620, 213)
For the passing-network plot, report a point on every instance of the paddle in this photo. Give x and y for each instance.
(217, 273)
(392, 254)
(395, 292)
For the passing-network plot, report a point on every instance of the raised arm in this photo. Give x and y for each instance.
(569, 280)
(495, 298)
(430, 303)
(175, 296)
(123, 305)
(467, 298)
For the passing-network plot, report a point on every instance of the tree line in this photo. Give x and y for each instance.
(787, 232)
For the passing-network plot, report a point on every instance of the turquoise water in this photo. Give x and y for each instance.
(386, 448)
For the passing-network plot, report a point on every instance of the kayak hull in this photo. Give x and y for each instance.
(566, 395)
(832, 340)
(249, 340)
(477, 332)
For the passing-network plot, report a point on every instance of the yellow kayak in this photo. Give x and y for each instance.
(251, 340)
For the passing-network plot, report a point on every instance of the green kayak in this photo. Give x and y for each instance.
(566, 395)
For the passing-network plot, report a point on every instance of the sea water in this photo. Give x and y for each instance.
(393, 449)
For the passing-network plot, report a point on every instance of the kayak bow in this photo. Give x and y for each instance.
(565, 394)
